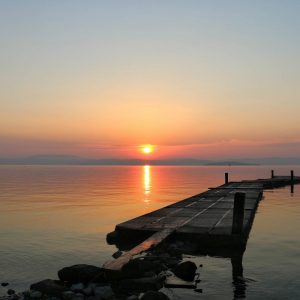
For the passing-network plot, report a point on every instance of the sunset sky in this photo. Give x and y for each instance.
(200, 79)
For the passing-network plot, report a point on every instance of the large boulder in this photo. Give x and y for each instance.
(49, 287)
(104, 292)
(68, 295)
(34, 295)
(138, 267)
(11, 292)
(153, 295)
(185, 270)
(4, 284)
(80, 273)
(77, 287)
(77, 296)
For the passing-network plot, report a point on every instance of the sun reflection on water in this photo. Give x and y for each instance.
(147, 182)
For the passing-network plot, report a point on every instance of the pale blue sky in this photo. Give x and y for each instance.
(170, 73)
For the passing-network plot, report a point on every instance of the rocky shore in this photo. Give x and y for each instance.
(141, 278)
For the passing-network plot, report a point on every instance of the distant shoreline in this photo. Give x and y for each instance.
(148, 163)
(80, 161)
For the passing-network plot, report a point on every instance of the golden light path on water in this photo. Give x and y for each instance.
(147, 182)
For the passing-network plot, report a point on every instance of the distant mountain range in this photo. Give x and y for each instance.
(76, 160)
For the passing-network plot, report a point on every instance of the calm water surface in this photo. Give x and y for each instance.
(54, 216)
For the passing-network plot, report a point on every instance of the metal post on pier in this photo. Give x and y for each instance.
(238, 213)
(226, 178)
(272, 174)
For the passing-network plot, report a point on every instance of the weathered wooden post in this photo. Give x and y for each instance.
(226, 178)
(292, 182)
(272, 174)
(238, 213)
(238, 280)
(292, 176)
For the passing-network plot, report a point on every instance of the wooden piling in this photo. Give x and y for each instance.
(292, 176)
(238, 213)
(226, 178)
(272, 174)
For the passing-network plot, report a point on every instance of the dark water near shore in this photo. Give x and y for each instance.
(54, 216)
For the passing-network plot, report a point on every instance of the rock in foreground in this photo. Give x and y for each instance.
(141, 284)
(152, 295)
(49, 287)
(79, 273)
(185, 270)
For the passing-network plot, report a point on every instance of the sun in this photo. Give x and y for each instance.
(147, 149)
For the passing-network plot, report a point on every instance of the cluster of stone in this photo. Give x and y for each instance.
(140, 278)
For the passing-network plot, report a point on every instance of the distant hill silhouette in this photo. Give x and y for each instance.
(76, 160)
(231, 163)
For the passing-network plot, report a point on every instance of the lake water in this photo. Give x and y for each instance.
(55, 216)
